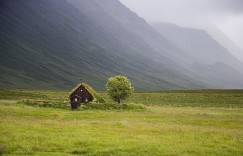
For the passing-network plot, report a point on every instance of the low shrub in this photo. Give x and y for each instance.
(112, 106)
(45, 104)
(87, 106)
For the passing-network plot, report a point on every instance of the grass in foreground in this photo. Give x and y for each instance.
(161, 130)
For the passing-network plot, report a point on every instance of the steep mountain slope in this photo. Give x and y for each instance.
(41, 47)
(144, 31)
(210, 59)
(51, 44)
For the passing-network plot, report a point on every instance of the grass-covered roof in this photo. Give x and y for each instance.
(97, 97)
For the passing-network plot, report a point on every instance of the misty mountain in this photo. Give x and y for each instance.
(209, 58)
(51, 44)
(228, 43)
(219, 74)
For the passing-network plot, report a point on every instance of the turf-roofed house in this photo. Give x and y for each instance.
(83, 93)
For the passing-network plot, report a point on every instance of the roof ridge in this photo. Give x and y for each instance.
(95, 95)
(75, 88)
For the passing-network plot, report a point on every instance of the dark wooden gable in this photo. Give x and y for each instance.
(80, 95)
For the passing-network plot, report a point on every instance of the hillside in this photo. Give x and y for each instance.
(210, 59)
(54, 44)
(51, 44)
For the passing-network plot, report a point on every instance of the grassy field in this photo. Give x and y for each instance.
(174, 123)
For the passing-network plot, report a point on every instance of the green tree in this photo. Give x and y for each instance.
(119, 88)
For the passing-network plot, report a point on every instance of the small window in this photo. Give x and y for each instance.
(76, 99)
(86, 100)
(81, 90)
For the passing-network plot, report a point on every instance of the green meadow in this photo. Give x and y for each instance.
(199, 122)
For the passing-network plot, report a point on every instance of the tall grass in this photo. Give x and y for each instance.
(194, 98)
(195, 131)
(42, 124)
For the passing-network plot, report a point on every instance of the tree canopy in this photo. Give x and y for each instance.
(119, 88)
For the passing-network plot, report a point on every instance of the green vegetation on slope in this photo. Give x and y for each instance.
(51, 44)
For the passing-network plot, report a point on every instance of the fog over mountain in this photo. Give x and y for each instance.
(209, 58)
(226, 42)
(225, 16)
(53, 44)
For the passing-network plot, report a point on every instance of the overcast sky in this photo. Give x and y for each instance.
(225, 15)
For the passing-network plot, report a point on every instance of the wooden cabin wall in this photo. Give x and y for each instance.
(84, 94)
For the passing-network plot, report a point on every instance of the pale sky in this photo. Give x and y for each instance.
(225, 15)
